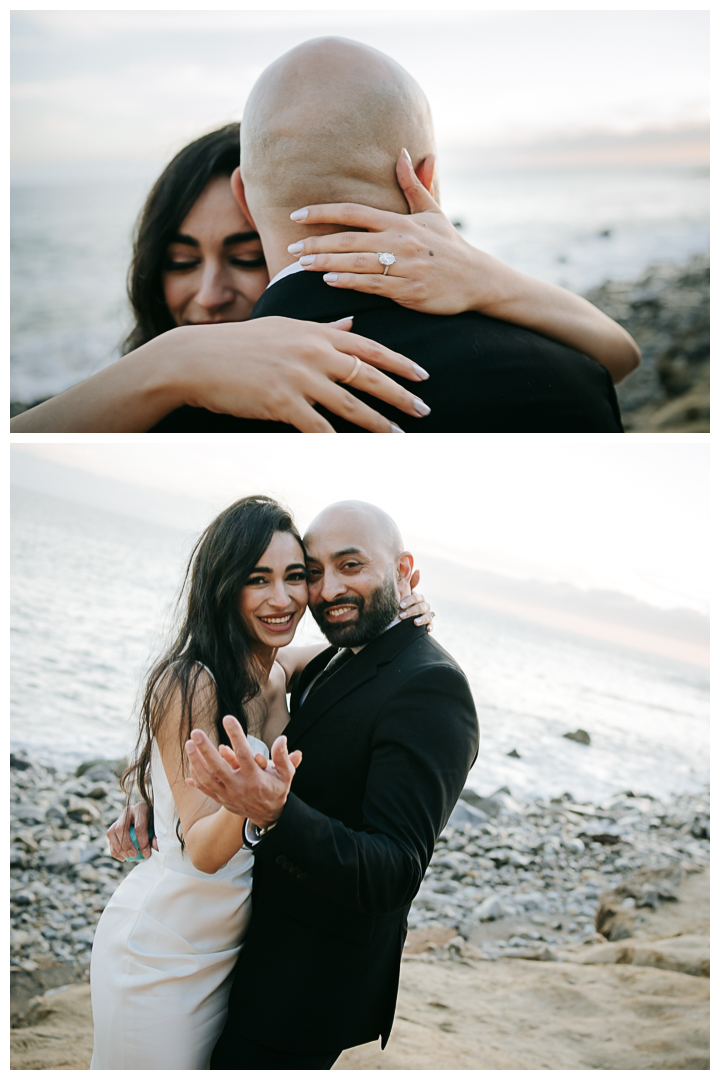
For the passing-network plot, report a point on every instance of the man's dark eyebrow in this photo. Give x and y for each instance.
(240, 237)
(347, 551)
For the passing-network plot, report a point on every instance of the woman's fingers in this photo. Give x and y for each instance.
(359, 262)
(372, 381)
(354, 215)
(305, 419)
(414, 605)
(338, 400)
(402, 290)
(377, 355)
(418, 197)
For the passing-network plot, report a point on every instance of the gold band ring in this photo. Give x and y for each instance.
(354, 371)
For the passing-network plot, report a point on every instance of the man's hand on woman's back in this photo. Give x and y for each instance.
(121, 846)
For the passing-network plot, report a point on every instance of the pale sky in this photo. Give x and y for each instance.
(135, 86)
(631, 516)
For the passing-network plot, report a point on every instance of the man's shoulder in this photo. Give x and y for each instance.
(424, 651)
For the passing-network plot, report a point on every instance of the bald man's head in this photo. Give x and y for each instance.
(357, 571)
(362, 520)
(326, 123)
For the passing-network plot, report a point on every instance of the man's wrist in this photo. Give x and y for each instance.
(254, 834)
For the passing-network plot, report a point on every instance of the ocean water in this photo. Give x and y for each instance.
(71, 242)
(92, 594)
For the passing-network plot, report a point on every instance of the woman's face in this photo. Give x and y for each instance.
(274, 599)
(214, 268)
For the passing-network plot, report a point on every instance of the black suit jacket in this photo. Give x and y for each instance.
(486, 374)
(387, 744)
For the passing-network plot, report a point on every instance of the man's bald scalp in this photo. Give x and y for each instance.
(383, 526)
(327, 122)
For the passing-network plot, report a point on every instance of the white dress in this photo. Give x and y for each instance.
(165, 949)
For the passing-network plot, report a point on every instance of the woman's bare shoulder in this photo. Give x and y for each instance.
(168, 701)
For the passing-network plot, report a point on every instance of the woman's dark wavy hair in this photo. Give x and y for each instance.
(175, 193)
(211, 632)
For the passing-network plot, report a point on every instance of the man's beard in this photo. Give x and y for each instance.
(374, 613)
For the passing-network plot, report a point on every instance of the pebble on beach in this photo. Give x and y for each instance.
(507, 878)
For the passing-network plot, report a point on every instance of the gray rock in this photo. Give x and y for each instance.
(20, 761)
(490, 909)
(464, 814)
(579, 736)
(99, 768)
(23, 898)
(84, 936)
(83, 810)
(489, 807)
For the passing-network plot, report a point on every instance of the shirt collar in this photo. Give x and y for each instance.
(285, 272)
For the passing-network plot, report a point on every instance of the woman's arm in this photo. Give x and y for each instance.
(212, 834)
(267, 369)
(437, 271)
(294, 658)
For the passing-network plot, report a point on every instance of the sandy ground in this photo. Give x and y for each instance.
(633, 1004)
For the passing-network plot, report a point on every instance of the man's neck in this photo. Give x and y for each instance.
(277, 232)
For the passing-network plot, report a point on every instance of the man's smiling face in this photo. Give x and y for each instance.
(352, 576)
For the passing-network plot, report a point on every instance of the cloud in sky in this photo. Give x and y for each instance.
(129, 85)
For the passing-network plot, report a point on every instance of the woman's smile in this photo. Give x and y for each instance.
(278, 623)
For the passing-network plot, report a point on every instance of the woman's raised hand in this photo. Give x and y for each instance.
(416, 606)
(282, 368)
(435, 270)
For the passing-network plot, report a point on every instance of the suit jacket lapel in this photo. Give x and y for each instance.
(359, 670)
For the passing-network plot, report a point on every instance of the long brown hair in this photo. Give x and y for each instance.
(172, 198)
(211, 634)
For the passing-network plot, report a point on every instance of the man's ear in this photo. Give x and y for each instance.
(404, 573)
(425, 172)
(238, 190)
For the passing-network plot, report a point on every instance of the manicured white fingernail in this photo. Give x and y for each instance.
(307, 260)
(295, 249)
(403, 603)
(407, 156)
(395, 430)
(420, 407)
(300, 215)
(418, 370)
(330, 277)
(342, 322)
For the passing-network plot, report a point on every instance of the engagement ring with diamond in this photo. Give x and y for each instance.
(387, 259)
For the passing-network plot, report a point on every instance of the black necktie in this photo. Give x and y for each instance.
(336, 662)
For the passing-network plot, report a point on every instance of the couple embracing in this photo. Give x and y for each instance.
(257, 310)
(327, 813)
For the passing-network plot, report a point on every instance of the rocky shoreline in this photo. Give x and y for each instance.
(667, 311)
(506, 880)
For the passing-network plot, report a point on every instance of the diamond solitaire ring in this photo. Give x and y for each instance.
(387, 259)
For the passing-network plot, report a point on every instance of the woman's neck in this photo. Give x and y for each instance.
(264, 657)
